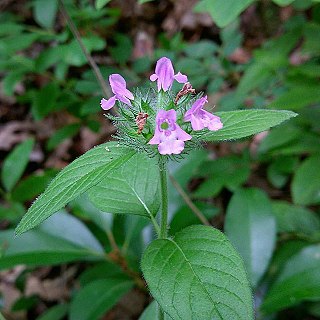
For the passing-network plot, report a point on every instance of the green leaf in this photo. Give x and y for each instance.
(30, 187)
(305, 187)
(151, 312)
(283, 2)
(102, 270)
(230, 172)
(60, 239)
(45, 12)
(78, 177)
(15, 164)
(198, 274)
(60, 135)
(223, 12)
(132, 189)
(297, 98)
(291, 218)
(184, 216)
(243, 123)
(93, 300)
(101, 3)
(299, 281)
(44, 100)
(57, 312)
(250, 226)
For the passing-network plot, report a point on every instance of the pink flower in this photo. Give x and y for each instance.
(200, 118)
(121, 93)
(165, 74)
(168, 135)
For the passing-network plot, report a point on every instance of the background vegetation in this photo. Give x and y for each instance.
(263, 192)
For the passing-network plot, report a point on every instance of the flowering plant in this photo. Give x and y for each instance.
(197, 274)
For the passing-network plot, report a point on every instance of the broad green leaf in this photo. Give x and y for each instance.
(198, 274)
(45, 12)
(291, 218)
(223, 12)
(299, 281)
(101, 3)
(60, 239)
(132, 189)
(151, 312)
(77, 178)
(99, 296)
(243, 123)
(15, 164)
(250, 226)
(57, 312)
(305, 186)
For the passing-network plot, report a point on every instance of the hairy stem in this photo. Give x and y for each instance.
(188, 202)
(164, 205)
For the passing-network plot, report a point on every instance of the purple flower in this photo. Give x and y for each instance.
(168, 135)
(121, 93)
(200, 118)
(165, 74)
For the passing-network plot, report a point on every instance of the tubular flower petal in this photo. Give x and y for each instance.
(165, 74)
(121, 93)
(168, 135)
(200, 118)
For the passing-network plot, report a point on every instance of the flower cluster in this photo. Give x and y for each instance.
(167, 122)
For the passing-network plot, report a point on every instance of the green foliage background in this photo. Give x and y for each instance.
(264, 193)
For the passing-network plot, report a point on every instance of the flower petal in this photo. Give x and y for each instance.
(165, 73)
(181, 78)
(153, 77)
(197, 123)
(107, 104)
(171, 147)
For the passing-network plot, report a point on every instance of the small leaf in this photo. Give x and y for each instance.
(101, 3)
(45, 12)
(15, 164)
(78, 177)
(57, 312)
(305, 186)
(299, 281)
(250, 226)
(223, 12)
(132, 189)
(291, 218)
(243, 123)
(297, 98)
(96, 298)
(198, 274)
(60, 239)
(44, 100)
(60, 135)
(30, 187)
(282, 2)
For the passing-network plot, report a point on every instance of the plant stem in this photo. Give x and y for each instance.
(188, 202)
(164, 205)
(106, 91)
